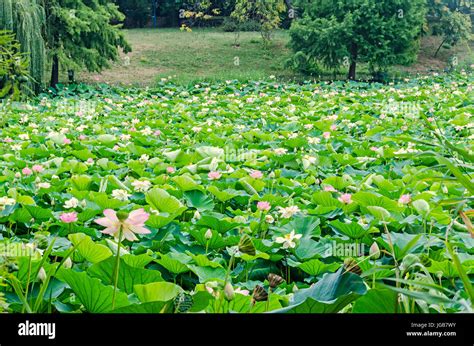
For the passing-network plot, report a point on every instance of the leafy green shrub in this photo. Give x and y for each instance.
(13, 66)
(304, 63)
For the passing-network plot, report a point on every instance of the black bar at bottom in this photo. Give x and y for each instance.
(228, 329)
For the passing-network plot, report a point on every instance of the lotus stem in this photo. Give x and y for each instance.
(117, 266)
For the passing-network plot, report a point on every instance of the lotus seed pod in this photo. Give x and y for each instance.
(351, 266)
(274, 280)
(259, 294)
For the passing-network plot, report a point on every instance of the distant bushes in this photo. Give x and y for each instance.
(232, 25)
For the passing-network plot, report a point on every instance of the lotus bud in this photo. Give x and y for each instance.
(208, 234)
(197, 215)
(229, 293)
(42, 274)
(444, 189)
(67, 263)
(374, 251)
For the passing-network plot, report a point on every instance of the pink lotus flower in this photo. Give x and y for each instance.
(346, 198)
(8, 140)
(256, 174)
(333, 127)
(67, 141)
(430, 119)
(263, 206)
(133, 224)
(82, 137)
(38, 168)
(170, 170)
(327, 135)
(404, 199)
(241, 291)
(68, 217)
(329, 188)
(214, 175)
(157, 133)
(27, 171)
(374, 148)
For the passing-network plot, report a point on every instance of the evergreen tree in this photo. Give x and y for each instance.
(345, 32)
(82, 33)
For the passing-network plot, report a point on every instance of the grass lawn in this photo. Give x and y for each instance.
(210, 54)
(190, 56)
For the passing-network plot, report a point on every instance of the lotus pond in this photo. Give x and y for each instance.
(240, 197)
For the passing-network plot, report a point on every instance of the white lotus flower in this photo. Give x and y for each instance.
(288, 240)
(141, 185)
(280, 151)
(144, 158)
(4, 201)
(288, 212)
(121, 195)
(71, 203)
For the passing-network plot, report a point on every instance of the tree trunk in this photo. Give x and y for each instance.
(55, 72)
(352, 68)
(437, 50)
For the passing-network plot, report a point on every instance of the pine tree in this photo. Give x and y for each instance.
(380, 33)
(81, 34)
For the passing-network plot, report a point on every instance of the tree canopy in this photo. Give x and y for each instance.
(343, 32)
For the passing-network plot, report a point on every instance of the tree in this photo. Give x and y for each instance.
(454, 27)
(137, 12)
(266, 12)
(81, 34)
(26, 19)
(346, 32)
(13, 66)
